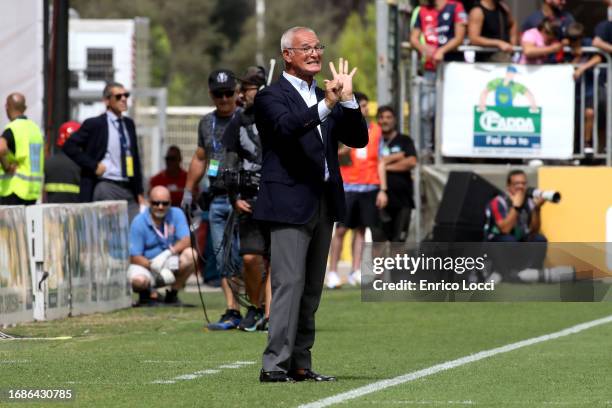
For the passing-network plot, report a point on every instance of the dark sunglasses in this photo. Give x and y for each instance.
(121, 95)
(221, 94)
(158, 203)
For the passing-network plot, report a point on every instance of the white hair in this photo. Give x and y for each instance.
(287, 37)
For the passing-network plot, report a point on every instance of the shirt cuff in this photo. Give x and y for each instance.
(323, 110)
(352, 104)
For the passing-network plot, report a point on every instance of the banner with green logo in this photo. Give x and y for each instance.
(507, 111)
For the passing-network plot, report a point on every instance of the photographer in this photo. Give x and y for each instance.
(244, 159)
(160, 250)
(514, 217)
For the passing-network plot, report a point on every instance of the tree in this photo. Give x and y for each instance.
(357, 43)
(190, 38)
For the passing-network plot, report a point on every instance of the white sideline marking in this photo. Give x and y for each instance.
(200, 373)
(391, 382)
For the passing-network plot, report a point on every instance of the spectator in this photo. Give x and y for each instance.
(22, 156)
(442, 24)
(541, 43)
(160, 250)
(362, 178)
(398, 156)
(584, 72)
(62, 175)
(491, 24)
(244, 160)
(603, 32)
(551, 10)
(208, 159)
(173, 177)
(106, 149)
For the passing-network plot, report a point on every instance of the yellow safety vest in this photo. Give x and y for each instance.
(29, 155)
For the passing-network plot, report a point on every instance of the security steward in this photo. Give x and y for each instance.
(21, 156)
(62, 175)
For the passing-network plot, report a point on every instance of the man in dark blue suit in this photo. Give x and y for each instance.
(106, 149)
(301, 193)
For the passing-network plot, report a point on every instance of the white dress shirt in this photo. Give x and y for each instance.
(310, 97)
(112, 158)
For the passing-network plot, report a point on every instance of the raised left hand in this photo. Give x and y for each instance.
(539, 202)
(343, 76)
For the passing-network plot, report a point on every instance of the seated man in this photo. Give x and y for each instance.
(514, 217)
(160, 249)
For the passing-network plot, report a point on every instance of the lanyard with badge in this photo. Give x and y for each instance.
(384, 148)
(213, 167)
(162, 236)
(123, 140)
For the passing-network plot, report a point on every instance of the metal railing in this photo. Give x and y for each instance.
(416, 86)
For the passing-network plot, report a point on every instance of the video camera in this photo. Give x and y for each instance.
(243, 181)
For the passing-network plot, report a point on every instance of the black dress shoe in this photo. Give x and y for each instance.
(274, 376)
(308, 374)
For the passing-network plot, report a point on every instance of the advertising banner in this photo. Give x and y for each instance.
(508, 111)
(15, 278)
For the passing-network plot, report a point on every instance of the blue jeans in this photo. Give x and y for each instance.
(428, 111)
(515, 255)
(219, 212)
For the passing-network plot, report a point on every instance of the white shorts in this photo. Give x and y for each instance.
(137, 270)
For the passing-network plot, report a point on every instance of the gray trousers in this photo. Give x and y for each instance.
(106, 191)
(298, 258)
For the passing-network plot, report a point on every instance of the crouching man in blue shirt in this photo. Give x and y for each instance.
(160, 250)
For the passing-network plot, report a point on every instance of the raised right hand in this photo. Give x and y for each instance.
(518, 198)
(333, 89)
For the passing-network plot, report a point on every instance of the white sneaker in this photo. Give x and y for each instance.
(333, 280)
(354, 278)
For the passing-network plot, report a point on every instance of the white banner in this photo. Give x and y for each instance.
(508, 111)
(21, 52)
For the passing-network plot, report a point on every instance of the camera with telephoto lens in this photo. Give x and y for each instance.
(547, 195)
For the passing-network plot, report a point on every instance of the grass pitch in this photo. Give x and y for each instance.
(161, 357)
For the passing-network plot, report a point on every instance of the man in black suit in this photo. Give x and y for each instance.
(301, 193)
(106, 149)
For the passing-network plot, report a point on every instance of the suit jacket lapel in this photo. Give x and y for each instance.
(293, 94)
(324, 125)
